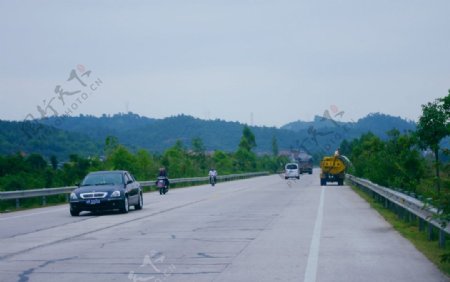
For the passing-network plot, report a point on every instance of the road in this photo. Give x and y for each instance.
(260, 229)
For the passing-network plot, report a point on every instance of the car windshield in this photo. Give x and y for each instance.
(103, 179)
(292, 166)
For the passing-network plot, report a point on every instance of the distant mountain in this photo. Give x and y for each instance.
(85, 135)
(99, 127)
(376, 123)
(324, 135)
(379, 124)
(156, 135)
(317, 123)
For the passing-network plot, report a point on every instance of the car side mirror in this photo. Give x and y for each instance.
(77, 184)
(129, 182)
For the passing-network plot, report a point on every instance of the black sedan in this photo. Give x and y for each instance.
(106, 190)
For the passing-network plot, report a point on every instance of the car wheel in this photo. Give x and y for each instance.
(74, 212)
(140, 203)
(125, 206)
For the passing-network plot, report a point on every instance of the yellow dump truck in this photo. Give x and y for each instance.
(333, 170)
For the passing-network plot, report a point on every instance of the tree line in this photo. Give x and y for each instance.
(20, 172)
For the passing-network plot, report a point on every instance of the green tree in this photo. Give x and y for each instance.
(395, 162)
(145, 165)
(197, 146)
(446, 104)
(345, 148)
(432, 128)
(245, 158)
(177, 161)
(36, 162)
(198, 149)
(223, 162)
(122, 159)
(74, 170)
(247, 140)
(14, 164)
(405, 165)
(111, 144)
(54, 162)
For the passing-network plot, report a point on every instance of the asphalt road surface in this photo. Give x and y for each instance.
(260, 229)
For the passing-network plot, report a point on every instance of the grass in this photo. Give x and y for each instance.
(411, 232)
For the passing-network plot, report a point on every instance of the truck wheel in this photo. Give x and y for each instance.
(323, 182)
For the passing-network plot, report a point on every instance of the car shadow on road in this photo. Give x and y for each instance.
(102, 213)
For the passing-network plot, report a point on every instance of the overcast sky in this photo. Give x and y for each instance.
(270, 62)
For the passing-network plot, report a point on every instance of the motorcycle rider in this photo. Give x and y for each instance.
(212, 176)
(337, 153)
(163, 174)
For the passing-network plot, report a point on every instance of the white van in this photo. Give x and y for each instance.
(291, 171)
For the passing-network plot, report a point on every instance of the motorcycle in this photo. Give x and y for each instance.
(212, 180)
(161, 183)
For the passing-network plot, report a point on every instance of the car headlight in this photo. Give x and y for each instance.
(73, 196)
(115, 194)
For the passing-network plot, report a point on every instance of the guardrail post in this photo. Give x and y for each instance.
(430, 232)
(44, 200)
(17, 203)
(403, 214)
(397, 210)
(441, 238)
(421, 224)
(413, 218)
(408, 216)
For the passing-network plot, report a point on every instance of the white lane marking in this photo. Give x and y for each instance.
(313, 257)
(31, 214)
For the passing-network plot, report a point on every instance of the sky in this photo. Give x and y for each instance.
(254, 61)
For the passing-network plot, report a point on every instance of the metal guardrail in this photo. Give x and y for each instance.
(44, 192)
(405, 206)
(229, 177)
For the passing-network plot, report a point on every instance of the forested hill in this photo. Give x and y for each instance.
(85, 135)
(376, 123)
(156, 135)
(20, 137)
